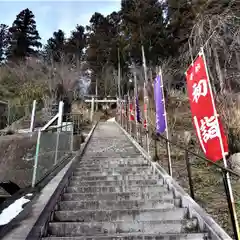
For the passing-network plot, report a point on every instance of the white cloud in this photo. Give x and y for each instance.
(69, 20)
(53, 15)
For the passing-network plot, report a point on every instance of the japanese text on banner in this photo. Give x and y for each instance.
(208, 127)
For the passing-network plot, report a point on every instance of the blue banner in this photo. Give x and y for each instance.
(160, 108)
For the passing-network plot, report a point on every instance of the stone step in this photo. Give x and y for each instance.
(111, 172)
(113, 165)
(138, 188)
(121, 215)
(115, 178)
(138, 236)
(100, 159)
(114, 168)
(95, 159)
(95, 228)
(113, 154)
(110, 145)
(114, 183)
(111, 204)
(112, 162)
(113, 150)
(154, 195)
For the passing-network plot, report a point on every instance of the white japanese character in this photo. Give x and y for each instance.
(191, 76)
(199, 90)
(209, 128)
(197, 68)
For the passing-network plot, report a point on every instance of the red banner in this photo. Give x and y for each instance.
(208, 127)
(131, 112)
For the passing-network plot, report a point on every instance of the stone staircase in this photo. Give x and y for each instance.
(114, 194)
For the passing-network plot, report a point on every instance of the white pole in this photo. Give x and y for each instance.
(72, 137)
(146, 117)
(119, 74)
(92, 109)
(166, 122)
(136, 113)
(33, 116)
(36, 159)
(60, 113)
(221, 145)
(125, 111)
(59, 128)
(119, 110)
(146, 97)
(130, 114)
(96, 93)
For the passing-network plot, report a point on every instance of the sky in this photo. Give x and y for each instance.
(53, 15)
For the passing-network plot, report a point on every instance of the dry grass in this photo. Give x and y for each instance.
(229, 110)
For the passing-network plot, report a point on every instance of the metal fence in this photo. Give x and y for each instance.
(53, 146)
(17, 112)
(205, 181)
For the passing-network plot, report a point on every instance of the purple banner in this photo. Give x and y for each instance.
(138, 110)
(160, 111)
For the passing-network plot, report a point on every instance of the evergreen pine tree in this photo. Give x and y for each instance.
(55, 47)
(24, 37)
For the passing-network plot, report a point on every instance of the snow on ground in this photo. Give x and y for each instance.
(111, 120)
(29, 195)
(13, 210)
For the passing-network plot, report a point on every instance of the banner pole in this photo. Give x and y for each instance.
(136, 110)
(146, 98)
(122, 106)
(230, 196)
(166, 122)
(125, 110)
(130, 114)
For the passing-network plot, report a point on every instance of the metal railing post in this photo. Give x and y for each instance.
(155, 149)
(36, 159)
(146, 137)
(56, 149)
(130, 127)
(72, 137)
(140, 135)
(231, 205)
(190, 180)
(168, 156)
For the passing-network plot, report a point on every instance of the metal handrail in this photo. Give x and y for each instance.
(55, 128)
(200, 157)
(223, 170)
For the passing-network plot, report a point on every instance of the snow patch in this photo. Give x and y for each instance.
(111, 120)
(13, 210)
